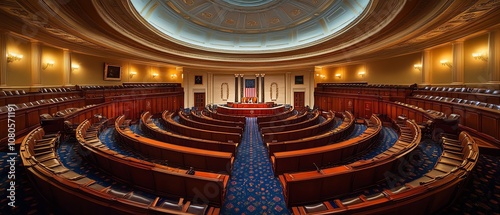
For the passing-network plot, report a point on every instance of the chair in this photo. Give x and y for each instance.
(167, 204)
(315, 207)
(197, 209)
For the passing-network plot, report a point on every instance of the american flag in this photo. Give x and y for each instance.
(250, 88)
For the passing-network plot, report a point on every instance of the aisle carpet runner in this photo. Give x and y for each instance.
(253, 189)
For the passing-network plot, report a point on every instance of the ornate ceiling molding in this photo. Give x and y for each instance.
(112, 28)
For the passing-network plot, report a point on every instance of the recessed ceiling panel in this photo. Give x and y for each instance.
(249, 26)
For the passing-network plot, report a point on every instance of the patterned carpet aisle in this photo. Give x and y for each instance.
(253, 189)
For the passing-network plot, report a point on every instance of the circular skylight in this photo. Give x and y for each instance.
(249, 26)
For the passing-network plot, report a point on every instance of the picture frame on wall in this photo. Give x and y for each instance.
(112, 72)
(299, 79)
(198, 79)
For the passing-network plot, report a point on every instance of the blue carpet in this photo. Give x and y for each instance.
(414, 165)
(253, 189)
(386, 140)
(358, 130)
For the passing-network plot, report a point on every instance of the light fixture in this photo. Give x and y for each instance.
(322, 76)
(75, 67)
(131, 74)
(445, 63)
(14, 57)
(338, 75)
(479, 56)
(362, 73)
(49, 63)
(155, 74)
(173, 76)
(417, 67)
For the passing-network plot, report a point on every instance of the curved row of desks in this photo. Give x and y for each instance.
(301, 116)
(185, 119)
(73, 193)
(425, 195)
(302, 132)
(306, 159)
(277, 116)
(186, 130)
(340, 132)
(175, 155)
(215, 115)
(314, 120)
(323, 184)
(151, 177)
(198, 116)
(148, 126)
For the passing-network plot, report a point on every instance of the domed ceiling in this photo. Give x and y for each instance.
(248, 35)
(242, 26)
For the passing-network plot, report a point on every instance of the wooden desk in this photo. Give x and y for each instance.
(249, 105)
(251, 112)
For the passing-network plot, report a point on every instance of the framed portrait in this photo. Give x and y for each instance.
(299, 79)
(198, 79)
(112, 72)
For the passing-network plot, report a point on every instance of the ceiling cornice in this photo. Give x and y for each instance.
(111, 28)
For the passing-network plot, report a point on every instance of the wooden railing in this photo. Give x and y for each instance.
(340, 132)
(307, 159)
(186, 130)
(425, 195)
(176, 155)
(148, 126)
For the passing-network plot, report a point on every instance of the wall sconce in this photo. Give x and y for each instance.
(445, 63)
(49, 63)
(480, 56)
(417, 67)
(14, 57)
(322, 76)
(131, 74)
(338, 75)
(155, 74)
(173, 76)
(362, 73)
(75, 67)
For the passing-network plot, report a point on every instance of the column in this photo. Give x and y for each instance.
(66, 66)
(311, 88)
(263, 92)
(288, 85)
(494, 57)
(36, 65)
(457, 70)
(426, 67)
(187, 88)
(210, 88)
(3, 59)
(242, 86)
(257, 87)
(236, 77)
